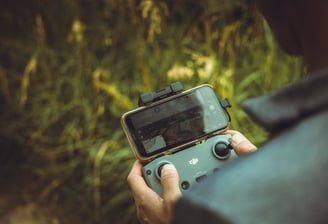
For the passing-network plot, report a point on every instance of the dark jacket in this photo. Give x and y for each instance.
(286, 180)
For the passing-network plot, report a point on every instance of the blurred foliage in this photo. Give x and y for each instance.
(70, 68)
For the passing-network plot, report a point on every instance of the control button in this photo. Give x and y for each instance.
(200, 178)
(148, 172)
(185, 185)
(221, 150)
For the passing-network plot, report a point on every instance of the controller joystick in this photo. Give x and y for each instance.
(159, 168)
(221, 150)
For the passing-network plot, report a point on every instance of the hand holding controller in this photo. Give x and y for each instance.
(180, 128)
(193, 164)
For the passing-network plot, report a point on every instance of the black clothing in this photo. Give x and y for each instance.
(286, 180)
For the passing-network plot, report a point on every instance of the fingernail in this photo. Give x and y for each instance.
(238, 138)
(168, 166)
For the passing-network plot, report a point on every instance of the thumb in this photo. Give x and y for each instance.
(170, 184)
(241, 144)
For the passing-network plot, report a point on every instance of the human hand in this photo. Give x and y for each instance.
(151, 208)
(240, 143)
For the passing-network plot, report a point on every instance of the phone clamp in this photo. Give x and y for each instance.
(225, 104)
(148, 98)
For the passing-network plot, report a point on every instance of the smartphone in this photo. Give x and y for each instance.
(174, 123)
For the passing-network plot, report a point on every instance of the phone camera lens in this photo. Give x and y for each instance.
(221, 150)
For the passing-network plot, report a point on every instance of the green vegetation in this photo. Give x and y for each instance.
(69, 69)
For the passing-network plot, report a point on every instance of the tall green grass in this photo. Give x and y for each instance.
(73, 67)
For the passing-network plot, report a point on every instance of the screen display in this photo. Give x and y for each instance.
(160, 127)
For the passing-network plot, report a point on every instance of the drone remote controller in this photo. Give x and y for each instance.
(193, 164)
(183, 128)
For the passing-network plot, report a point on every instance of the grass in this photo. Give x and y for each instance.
(66, 82)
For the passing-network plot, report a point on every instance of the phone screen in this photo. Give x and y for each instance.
(172, 123)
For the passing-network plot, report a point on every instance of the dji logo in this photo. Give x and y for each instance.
(193, 161)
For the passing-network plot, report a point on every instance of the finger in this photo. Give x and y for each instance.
(146, 199)
(170, 184)
(136, 168)
(135, 178)
(240, 143)
(139, 187)
(142, 215)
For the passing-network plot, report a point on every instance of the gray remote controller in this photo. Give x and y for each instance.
(193, 164)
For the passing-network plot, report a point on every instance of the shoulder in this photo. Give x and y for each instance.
(277, 184)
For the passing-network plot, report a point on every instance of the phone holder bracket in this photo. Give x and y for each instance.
(225, 104)
(148, 98)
